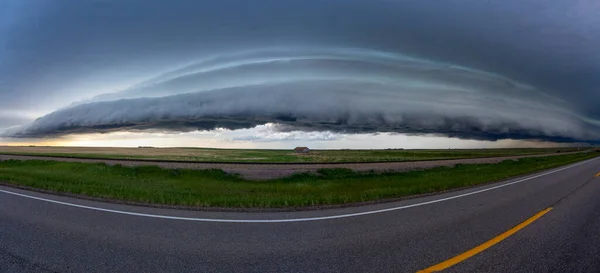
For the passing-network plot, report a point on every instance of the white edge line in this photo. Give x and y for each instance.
(293, 219)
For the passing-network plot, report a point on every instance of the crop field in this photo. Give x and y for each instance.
(270, 156)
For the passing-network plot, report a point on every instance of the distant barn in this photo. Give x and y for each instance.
(301, 150)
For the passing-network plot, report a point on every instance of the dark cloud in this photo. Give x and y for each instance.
(348, 90)
(243, 108)
(57, 53)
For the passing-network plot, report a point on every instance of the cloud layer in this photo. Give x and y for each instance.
(326, 89)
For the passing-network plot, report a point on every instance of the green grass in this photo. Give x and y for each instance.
(214, 188)
(273, 156)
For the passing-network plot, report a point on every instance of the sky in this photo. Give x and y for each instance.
(324, 74)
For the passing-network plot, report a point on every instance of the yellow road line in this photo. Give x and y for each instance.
(453, 261)
(598, 175)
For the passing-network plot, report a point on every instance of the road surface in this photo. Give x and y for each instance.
(548, 222)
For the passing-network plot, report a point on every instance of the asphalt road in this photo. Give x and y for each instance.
(41, 235)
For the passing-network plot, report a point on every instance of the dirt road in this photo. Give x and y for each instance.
(270, 171)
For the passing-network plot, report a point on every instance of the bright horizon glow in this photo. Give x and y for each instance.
(264, 137)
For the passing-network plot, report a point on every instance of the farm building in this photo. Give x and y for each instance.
(301, 150)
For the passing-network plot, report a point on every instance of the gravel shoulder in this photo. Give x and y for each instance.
(271, 171)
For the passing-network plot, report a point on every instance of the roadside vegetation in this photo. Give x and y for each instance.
(271, 156)
(215, 188)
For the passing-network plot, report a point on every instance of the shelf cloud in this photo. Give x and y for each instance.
(479, 70)
(330, 89)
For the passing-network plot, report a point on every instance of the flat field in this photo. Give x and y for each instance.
(270, 156)
(216, 188)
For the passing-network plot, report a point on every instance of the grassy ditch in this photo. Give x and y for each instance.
(215, 188)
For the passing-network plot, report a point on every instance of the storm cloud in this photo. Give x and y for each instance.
(337, 90)
(462, 69)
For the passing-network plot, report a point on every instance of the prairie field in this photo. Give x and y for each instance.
(271, 156)
(216, 188)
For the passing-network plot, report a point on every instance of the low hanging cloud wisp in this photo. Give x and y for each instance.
(337, 90)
